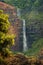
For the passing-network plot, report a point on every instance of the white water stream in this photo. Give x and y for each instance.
(25, 47)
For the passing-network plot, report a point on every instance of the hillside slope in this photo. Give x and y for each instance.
(33, 14)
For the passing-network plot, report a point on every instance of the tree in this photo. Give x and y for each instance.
(6, 40)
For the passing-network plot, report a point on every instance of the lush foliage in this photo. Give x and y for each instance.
(36, 48)
(32, 12)
(6, 40)
(26, 5)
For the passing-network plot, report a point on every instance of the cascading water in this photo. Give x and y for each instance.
(25, 47)
(18, 12)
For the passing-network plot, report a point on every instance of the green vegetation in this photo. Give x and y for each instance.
(6, 40)
(36, 47)
(32, 12)
(24, 3)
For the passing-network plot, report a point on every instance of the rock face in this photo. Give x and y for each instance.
(34, 31)
(16, 25)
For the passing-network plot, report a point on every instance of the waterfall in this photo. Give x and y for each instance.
(25, 48)
(18, 12)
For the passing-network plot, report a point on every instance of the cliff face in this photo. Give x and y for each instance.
(34, 27)
(16, 23)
